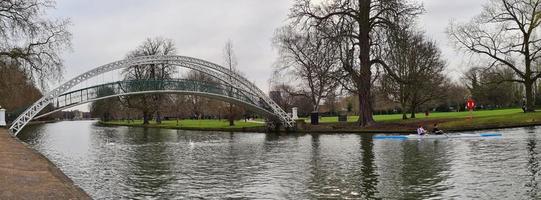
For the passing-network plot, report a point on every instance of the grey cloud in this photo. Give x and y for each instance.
(104, 30)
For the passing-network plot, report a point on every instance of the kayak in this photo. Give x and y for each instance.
(444, 136)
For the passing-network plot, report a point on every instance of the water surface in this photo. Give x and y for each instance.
(139, 163)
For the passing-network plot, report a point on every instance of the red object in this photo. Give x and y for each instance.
(470, 104)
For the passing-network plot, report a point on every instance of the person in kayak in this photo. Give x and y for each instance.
(436, 130)
(421, 130)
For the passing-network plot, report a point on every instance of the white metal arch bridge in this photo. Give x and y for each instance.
(231, 87)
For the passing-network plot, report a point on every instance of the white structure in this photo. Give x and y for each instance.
(2, 117)
(252, 97)
(294, 115)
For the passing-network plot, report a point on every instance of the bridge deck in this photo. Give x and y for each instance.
(26, 174)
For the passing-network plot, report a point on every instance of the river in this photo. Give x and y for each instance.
(140, 163)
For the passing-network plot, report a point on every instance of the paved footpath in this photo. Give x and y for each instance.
(26, 174)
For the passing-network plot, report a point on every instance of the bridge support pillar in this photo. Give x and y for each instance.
(294, 114)
(2, 117)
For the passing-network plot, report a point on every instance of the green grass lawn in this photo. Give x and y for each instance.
(451, 120)
(435, 115)
(496, 119)
(447, 121)
(206, 123)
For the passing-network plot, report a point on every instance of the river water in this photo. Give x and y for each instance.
(139, 163)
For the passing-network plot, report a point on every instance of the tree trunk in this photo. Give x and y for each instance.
(158, 118)
(403, 108)
(231, 121)
(365, 74)
(413, 109)
(145, 117)
(365, 109)
(231, 118)
(364, 84)
(105, 117)
(528, 86)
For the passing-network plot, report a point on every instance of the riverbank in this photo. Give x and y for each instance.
(26, 174)
(448, 121)
(205, 125)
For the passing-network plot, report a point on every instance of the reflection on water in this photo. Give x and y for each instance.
(122, 162)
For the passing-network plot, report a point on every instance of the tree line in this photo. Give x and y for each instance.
(372, 54)
(165, 106)
(365, 56)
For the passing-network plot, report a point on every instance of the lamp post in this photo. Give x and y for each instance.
(2, 117)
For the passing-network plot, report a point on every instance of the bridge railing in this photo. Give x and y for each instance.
(139, 86)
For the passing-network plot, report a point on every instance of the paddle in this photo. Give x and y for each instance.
(445, 134)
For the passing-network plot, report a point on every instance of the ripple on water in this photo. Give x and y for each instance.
(136, 163)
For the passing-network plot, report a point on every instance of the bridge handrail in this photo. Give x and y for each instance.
(237, 92)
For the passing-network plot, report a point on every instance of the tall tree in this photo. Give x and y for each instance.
(231, 63)
(506, 34)
(197, 103)
(31, 40)
(311, 56)
(417, 68)
(359, 24)
(149, 104)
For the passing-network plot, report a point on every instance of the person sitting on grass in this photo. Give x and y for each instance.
(421, 130)
(436, 130)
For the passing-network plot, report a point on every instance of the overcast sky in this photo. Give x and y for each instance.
(104, 30)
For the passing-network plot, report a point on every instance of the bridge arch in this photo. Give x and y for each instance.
(174, 86)
(259, 101)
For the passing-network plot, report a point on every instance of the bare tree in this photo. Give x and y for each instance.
(417, 69)
(311, 56)
(200, 107)
(456, 95)
(505, 34)
(357, 24)
(231, 63)
(197, 103)
(283, 95)
(399, 88)
(32, 41)
(490, 88)
(149, 103)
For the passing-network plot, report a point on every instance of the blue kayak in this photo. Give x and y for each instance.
(444, 136)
